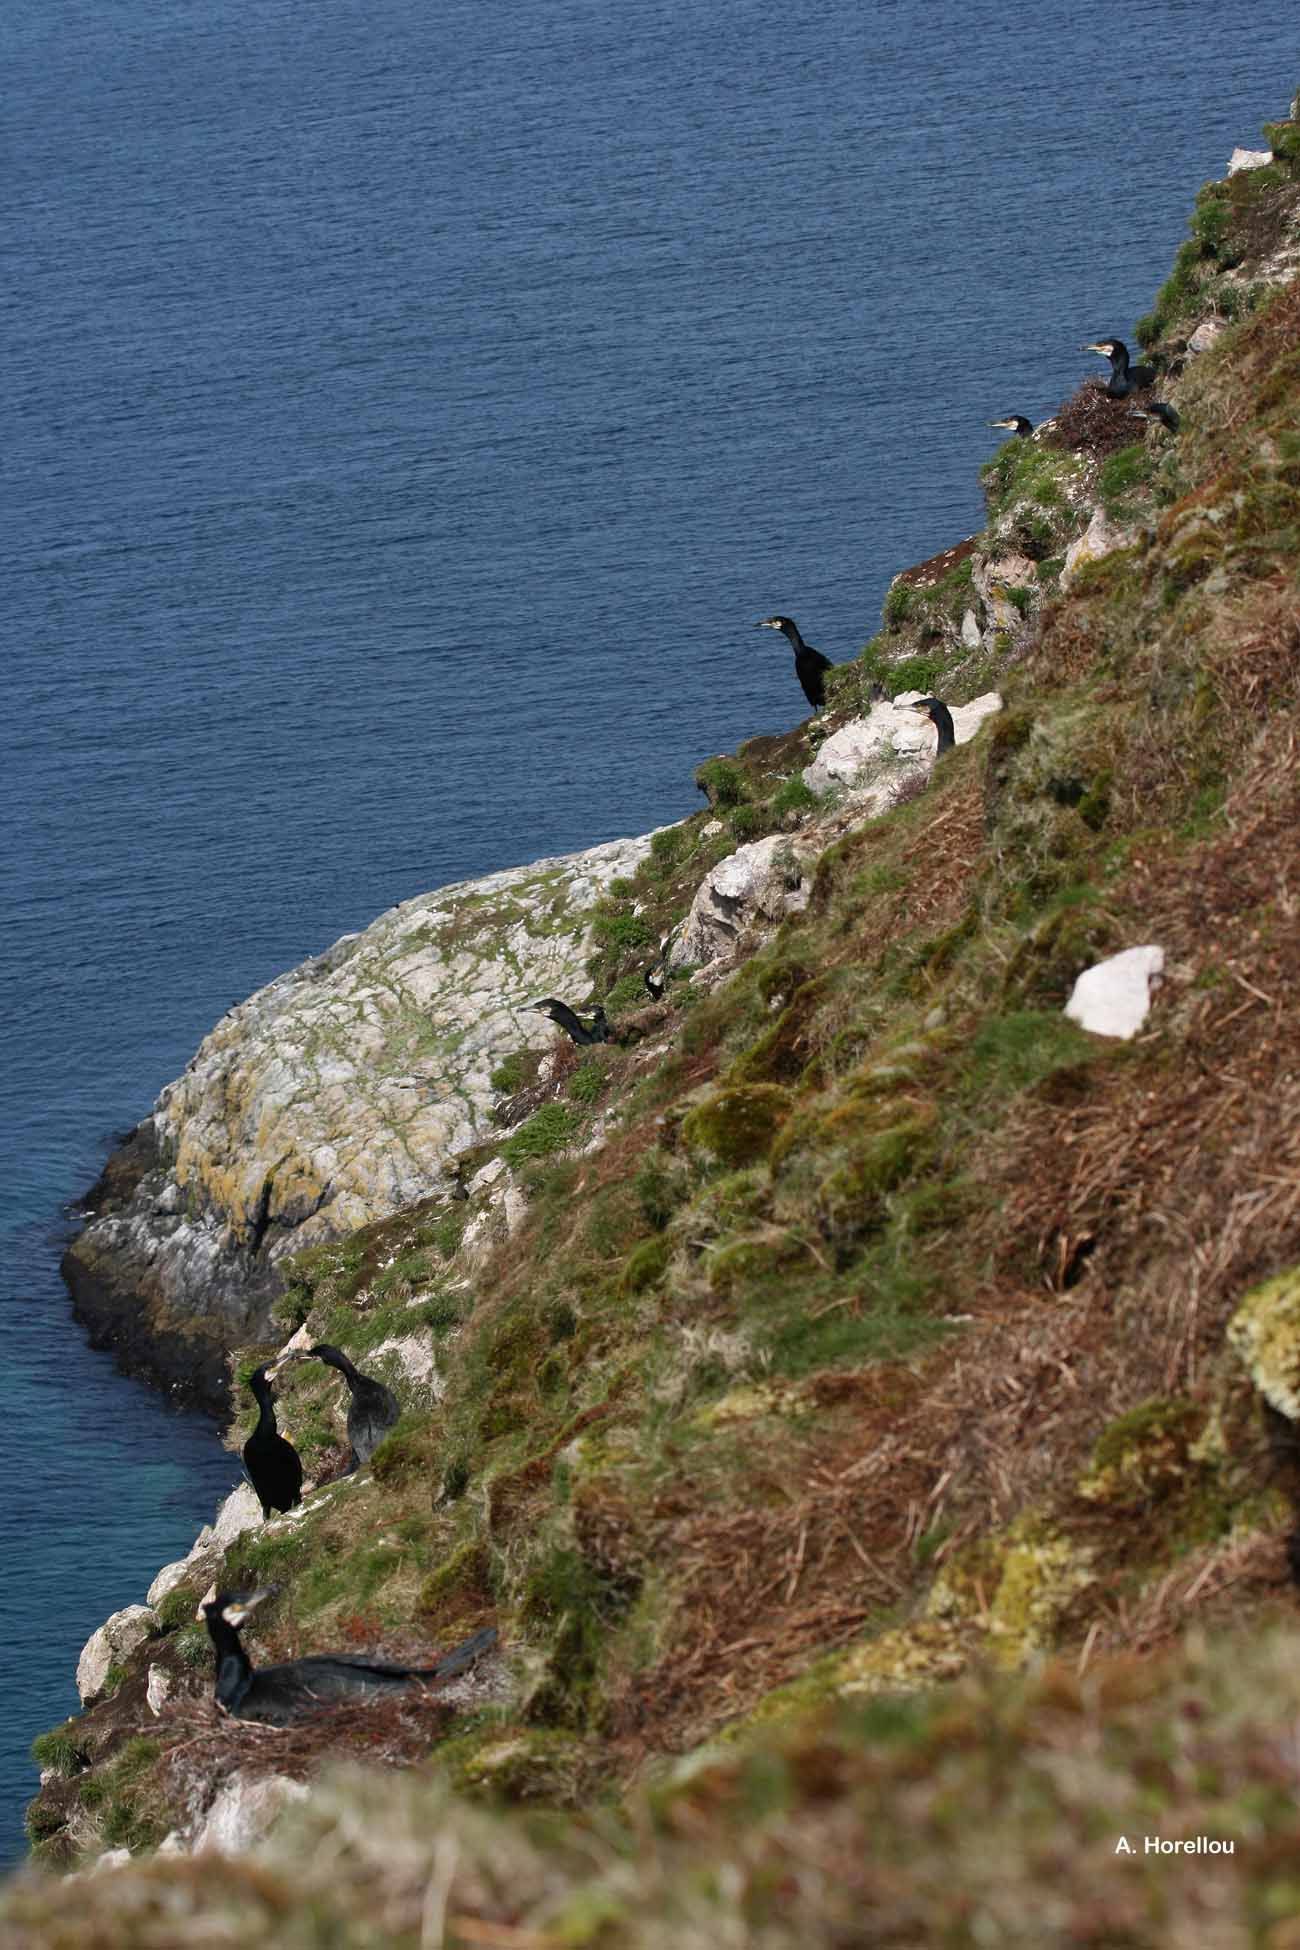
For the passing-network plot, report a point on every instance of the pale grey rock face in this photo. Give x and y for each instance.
(754, 888)
(110, 1645)
(1206, 333)
(243, 1811)
(1248, 159)
(415, 1363)
(167, 1580)
(158, 1689)
(876, 755)
(994, 575)
(1101, 537)
(336, 1095)
(1113, 998)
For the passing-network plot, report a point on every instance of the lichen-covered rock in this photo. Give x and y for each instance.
(1101, 537)
(243, 1811)
(1113, 998)
(1265, 1332)
(158, 1689)
(751, 891)
(875, 756)
(116, 1638)
(332, 1097)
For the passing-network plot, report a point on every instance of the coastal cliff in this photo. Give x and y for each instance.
(863, 1398)
(334, 1096)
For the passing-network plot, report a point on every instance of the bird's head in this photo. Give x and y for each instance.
(1108, 348)
(233, 1607)
(774, 623)
(1013, 423)
(925, 707)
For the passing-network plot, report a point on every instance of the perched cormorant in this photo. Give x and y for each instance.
(654, 984)
(1160, 410)
(598, 1031)
(372, 1408)
(1015, 423)
(1124, 378)
(279, 1695)
(810, 666)
(941, 718)
(271, 1464)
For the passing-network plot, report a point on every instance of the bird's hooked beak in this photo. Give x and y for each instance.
(1001, 423)
(1103, 349)
(768, 623)
(236, 1614)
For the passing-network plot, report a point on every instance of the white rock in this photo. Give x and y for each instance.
(243, 1811)
(1206, 333)
(158, 1690)
(867, 747)
(1101, 537)
(117, 1637)
(241, 1511)
(172, 1843)
(1114, 997)
(491, 1171)
(416, 1362)
(112, 1858)
(1248, 159)
(753, 888)
(167, 1580)
(970, 630)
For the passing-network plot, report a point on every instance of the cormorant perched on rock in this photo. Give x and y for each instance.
(1160, 410)
(372, 1408)
(655, 984)
(598, 1031)
(279, 1695)
(941, 718)
(810, 666)
(1124, 378)
(1015, 423)
(271, 1464)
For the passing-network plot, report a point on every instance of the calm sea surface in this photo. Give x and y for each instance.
(408, 411)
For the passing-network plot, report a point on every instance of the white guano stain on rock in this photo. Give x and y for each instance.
(243, 1811)
(1114, 997)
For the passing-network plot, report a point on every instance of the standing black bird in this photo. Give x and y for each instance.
(1015, 423)
(372, 1408)
(941, 718)
(810, 666)
(654, 984)
(1159, 410)
(598, 1031)
(278, 1695)
(271, 1464)
(1124, 378)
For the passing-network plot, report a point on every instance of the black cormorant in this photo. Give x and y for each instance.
(598, 1031)
(941, 718)
(279, 1695)
(654, 984)
(810, 666)
(1124, 378)
(372, 1408)
(1160, 410)
(1015, 423)
(271, 1464)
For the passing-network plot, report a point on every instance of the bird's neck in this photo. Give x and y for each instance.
(266, 1410)
(792, 632)
(234, 1667)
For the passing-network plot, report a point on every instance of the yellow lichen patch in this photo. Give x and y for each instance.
(1015, 1588)
(901, 1660)
(1265, 1333)
(1145, 1454)
(747, 1404)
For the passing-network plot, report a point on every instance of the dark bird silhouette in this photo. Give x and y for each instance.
(810, 667)
(372, 1408)
(941, 718)
(1159, 410)
(1015, 423)
(271, 1464)
(597, 1031)
(654, 984)
(1124, 378)
(279, 1695)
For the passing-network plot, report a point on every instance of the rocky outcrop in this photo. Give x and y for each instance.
(334, 1096)
(877, 755)
(109, 1646)
(1113, 998)
(752, 890)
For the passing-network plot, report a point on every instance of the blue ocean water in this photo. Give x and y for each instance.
(408, 412)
